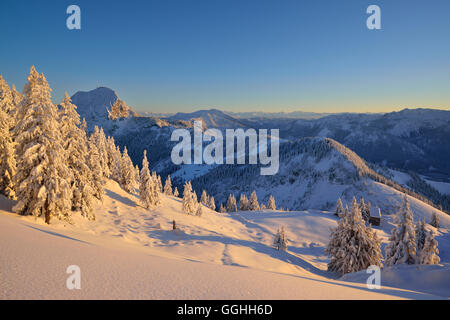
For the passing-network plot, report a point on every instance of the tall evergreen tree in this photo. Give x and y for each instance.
(41, 179)
(75, 145)
(402, 245)
(8, 166)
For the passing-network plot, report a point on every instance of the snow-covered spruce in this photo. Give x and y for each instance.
(243, 202)
(127, 174)
(429, 254)
(435, 220)
(402, 245)
(271, 203)
(75, 145)
(231, 204)
(148, 194)
(168, 186)
(175, 192)
(280, 242)
(339, 208)
(212, 203)
(7, 145)
(190, 203)
(41, 179)
(253, 204)
(353, 246)
(421, 234)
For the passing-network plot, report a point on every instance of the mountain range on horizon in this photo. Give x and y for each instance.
(391, 143)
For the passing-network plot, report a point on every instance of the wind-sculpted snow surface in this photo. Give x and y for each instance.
(132, 252)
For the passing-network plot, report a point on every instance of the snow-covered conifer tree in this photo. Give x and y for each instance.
(254, 205)
(147, 194)
(127, 172)
(435, 220)
(204, 198)
(7, 157)
(271, 203)
(402, 245)
(75, 145)
(212, 203)
(280, 242)
(168, 186)
(365, 209)
(100, 139)
(41, 182)
(16, 96)
(95, 167)
(175, 192)
(231, 203)
(222, 208)
(429, 253)
(243, 202)
(421, 234)
(199, 211)
(339, 208)
(353, 246)
(189, 199)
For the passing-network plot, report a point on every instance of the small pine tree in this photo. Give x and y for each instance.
(231, 203)
(365, 209)
(420, 234)
(199, 211)
(168, 186)
(204, 198)
(339, 208)
(243, 203)
(429, 253)
(402, 245)
(189, 199)
(254, 205)
(271, 203)
(435, 222)
(212, 203)
(175, 192)
(222, 208)
(147, 189)
(280, 241)
(127, 175)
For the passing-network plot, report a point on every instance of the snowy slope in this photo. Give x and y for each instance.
(130, 252)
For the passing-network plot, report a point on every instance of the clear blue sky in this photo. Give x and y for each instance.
(246, 55)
